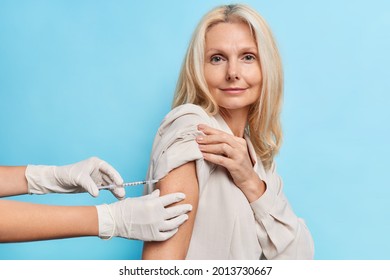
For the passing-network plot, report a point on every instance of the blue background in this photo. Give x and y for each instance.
(95, 78)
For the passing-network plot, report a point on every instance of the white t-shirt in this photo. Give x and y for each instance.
(227, 226)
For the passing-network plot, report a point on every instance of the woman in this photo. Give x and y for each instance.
(218, 146)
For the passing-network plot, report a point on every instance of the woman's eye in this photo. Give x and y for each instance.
(216, 59)
(249, 57)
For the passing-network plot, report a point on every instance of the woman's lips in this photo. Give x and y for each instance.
(233, 90)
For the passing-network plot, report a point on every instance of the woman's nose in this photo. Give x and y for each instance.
(232, 72)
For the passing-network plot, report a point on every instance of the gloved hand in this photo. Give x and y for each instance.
(83, 176)
(143, 218)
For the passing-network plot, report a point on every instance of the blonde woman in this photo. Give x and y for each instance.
(218, 146)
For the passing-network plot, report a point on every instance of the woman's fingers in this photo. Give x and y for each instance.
(209, 130)
(226, 150)
(221, 143)
(219, 160)
(217, 149)
(215, 136)
(230, 152)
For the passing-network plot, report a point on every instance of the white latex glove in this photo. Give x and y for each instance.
(143, 218)
(83, 176)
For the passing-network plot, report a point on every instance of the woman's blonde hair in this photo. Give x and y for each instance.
(264, 116)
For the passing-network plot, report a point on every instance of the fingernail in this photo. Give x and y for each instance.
(199, 138)
(200, 126)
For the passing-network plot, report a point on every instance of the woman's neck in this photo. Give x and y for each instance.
(236, 120)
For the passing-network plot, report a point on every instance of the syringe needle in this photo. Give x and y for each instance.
(128, 184)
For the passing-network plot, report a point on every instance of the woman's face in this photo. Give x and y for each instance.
(232, 66)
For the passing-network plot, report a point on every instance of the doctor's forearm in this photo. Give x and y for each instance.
(20, 221)
(12, 180)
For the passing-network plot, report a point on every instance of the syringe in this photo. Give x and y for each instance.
(110, 187)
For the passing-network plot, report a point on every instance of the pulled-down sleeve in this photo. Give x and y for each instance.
(281, 234)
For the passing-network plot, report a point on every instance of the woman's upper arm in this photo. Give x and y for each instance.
(182, 179)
